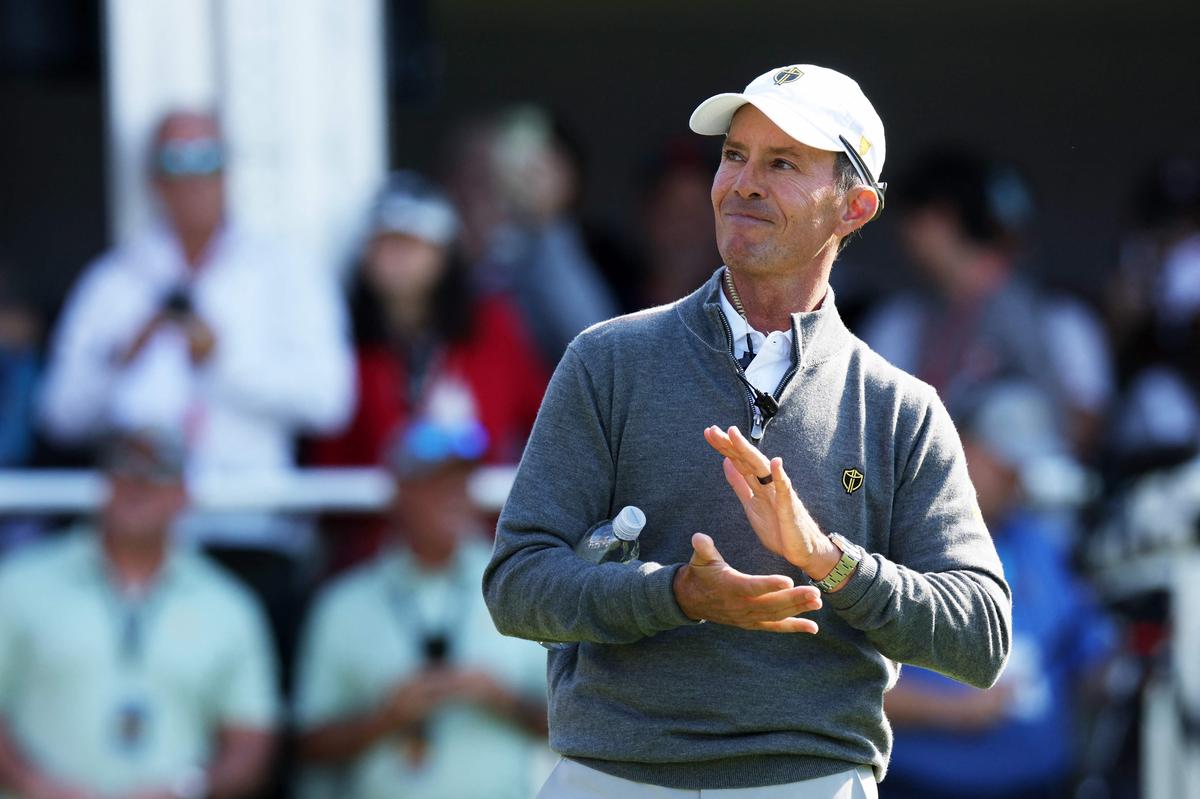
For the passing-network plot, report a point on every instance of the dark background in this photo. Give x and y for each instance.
(1081, 96)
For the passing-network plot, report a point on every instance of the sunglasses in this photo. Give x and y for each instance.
(430, 443)
(189, 158)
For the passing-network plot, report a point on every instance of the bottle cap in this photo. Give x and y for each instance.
(629, 523)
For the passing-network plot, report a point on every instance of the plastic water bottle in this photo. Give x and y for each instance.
(613, 541)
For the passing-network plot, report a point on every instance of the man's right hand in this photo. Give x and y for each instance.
(126, 356)
(413, 700)
(709, 588)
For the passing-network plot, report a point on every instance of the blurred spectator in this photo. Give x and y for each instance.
(962, 223)
(130, 667)
(199, 327)
(19, 332)
(1155, 308)
(196, 326)
(518, 181)
(406, 689)
(1017, 739)
(679, 245)
(425, 342)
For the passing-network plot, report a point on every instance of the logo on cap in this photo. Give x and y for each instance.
(787, 75)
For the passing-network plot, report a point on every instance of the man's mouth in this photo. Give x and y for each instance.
(743, 215)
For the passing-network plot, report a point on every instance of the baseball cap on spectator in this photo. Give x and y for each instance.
(1016, 422)
(410, 205)
(149, 453)
(814, 105)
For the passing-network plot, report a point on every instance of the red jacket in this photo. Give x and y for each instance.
(497, 363)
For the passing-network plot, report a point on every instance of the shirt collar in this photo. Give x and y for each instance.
(822, 331)
(740, 328)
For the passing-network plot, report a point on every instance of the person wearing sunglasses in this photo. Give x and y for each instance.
(405, 688)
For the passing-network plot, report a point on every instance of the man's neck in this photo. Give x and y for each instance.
(195, 245)
(770, 300)
(134, 565)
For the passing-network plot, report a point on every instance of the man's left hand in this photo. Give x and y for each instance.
(201, 338)
(775, 512)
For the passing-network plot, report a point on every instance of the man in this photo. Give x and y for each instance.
(196, 325)
(878, 509)
(406, 689)
(128, 667)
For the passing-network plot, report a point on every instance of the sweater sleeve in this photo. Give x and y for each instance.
(938, 599)
(536, 587)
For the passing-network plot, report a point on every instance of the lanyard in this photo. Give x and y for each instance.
(132, 618)
(434, 638)
(133, 719)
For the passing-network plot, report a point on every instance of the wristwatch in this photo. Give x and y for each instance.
(852, 554)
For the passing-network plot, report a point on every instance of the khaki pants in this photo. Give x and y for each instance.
(571, 780)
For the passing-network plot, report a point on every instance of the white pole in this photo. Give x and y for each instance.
(301, 91)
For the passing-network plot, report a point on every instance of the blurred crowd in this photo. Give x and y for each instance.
(159, 651)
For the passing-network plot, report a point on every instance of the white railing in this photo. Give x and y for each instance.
(296, 491)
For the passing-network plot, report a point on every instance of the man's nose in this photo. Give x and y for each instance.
(749, 181)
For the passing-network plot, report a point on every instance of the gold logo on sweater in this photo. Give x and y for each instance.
(852, 480)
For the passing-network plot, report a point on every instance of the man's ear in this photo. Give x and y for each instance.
(862, 203)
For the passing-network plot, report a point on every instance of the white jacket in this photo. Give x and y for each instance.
(282, 361)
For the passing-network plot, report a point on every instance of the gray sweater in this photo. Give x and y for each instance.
(648, 694)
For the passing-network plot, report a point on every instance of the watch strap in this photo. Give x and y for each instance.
(852, 555)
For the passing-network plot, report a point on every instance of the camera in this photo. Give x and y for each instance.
(178, 302)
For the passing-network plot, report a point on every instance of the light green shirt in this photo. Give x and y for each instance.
(101, 701)
(366, 636)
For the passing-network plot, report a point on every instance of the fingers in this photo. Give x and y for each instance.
(788, 602)
(747, 453)
(784, 510)
(737, 482)
(789, 625)
(733, 445)
(704, 551)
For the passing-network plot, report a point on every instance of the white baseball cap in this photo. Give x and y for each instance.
(814, 105)
(410, 205)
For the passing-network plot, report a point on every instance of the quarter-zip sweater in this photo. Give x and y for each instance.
(652, 696)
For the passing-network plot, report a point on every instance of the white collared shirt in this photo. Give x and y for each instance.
(773, 353)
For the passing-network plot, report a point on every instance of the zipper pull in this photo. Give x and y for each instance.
(756, 429)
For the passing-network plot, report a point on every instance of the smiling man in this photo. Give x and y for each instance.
(816, 581)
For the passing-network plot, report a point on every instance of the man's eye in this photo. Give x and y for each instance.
(779, 163)
(732, 155)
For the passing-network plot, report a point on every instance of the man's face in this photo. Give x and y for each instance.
(141, 509)
(433, 511)
(776, 201)
(193, 202)
(400, 265)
